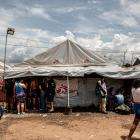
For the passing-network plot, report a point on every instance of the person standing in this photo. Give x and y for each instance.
(34, 93)
(111, 99)
(42, 89)
(51, 93)
(102, 93)
(136, 101)
(20, 96)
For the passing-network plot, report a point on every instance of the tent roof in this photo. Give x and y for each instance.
(70, 59)
(107, 71)
(67, 53)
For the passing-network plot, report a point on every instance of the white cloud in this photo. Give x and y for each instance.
(32, 42)
(27, 43)
(121, 39)
(134, 8)
(110, 15)
(120, 17)
(123, 2)
(69, 35)
(90, 42)
(129, 22)
(59, 39)
(18, 55)
(39, 11)
(131, 7)
(69, 9)
(113, 49)
(126, 16)
(5, 19)
(106, 31)
(120, 43)
(93, 1)
(38, 33)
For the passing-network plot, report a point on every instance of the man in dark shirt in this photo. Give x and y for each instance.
(51, 93)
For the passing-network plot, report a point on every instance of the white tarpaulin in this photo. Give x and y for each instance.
(66, 53)
(70, 59)
(107, 71)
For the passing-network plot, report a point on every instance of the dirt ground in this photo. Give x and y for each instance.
(56, 126)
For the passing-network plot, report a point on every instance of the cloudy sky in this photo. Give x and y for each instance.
(101, 25)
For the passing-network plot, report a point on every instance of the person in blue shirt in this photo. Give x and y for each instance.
(20, 96)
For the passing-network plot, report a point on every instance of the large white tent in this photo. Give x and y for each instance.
(72, 63)
(69, 58)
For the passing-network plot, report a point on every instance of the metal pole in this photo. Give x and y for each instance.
(68, 92)
(124, 57)
(68, 43)
(132, 58)
(4, 98)
(5, 55)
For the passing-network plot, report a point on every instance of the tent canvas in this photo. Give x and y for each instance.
(70, 60)
(67, 53)
(67, 58)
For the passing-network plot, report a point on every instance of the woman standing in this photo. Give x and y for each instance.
(136, 100)
(20, 96)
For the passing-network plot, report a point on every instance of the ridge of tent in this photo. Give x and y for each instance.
(65, 53)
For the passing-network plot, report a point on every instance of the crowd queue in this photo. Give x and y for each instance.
(37, 94)
(31, 95)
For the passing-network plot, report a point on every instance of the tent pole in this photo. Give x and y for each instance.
(68, 109)
(68, 105)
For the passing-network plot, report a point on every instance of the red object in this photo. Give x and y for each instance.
(2, 82)
(1, 91)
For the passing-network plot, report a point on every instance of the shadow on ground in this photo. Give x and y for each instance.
(133, 138)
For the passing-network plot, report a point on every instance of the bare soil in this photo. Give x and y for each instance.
(56, 126)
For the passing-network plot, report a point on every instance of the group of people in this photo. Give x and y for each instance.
(101, 92)
(109, 98)
(34, 95)
(38, 92)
